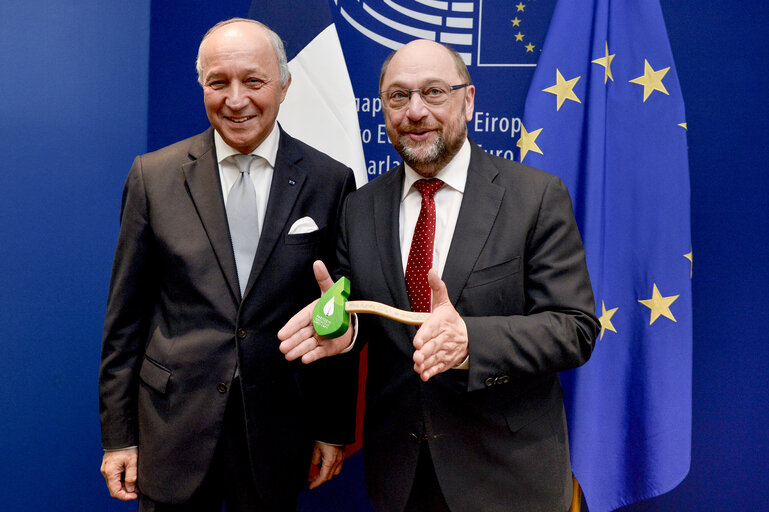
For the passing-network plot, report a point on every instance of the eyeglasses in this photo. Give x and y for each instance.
(431, 94)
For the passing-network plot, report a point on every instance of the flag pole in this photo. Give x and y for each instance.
(576, 498)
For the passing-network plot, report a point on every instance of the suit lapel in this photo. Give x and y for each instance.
(386, 213)
(287, 182)
(205, 189)
(480, 206)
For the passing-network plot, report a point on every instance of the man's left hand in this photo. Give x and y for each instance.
(328, 459)
(298, 337)
(441, 342)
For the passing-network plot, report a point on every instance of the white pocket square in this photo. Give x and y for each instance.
(303, 225)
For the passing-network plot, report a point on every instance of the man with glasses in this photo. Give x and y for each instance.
(464, 414)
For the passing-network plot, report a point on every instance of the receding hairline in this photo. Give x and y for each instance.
(459, 64)
(272, 36)
(230, 21)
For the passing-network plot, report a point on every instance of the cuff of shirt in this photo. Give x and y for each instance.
(464, 365)
(118, 449)
(331, 444)
(354, 327)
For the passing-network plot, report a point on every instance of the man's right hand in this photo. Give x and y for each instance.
(119, 470)
(298, 337)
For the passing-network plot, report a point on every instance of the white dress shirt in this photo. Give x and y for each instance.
(261, 169)
(448, 200)
(260, 172)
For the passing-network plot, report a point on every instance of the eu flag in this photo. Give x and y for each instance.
(511, 33)
(605, 113)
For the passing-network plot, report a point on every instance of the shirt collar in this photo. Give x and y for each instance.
(268, 149)
(454, 174)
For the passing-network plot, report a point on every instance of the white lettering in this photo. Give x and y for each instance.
(516, 127)
(484, 122)
(372, 105)
(382, 134)
(376, 167)
(504, 153)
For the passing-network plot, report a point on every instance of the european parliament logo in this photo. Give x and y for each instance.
(493, 33)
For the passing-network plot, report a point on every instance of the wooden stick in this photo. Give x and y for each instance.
(331, 314)
(377, 308)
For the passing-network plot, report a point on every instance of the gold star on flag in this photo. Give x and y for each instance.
(519, 36)
(606, 319)
(521, 6)
(659, 305)
(683, 125)
(605, 61)
(651, 80)
(529, 48)
(516, 22)
(690, 256)
(563, 89)
(527, 142)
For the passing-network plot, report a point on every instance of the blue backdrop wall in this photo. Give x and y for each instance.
(73, 105)
(78, 102)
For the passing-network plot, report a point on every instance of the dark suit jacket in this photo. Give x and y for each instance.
(516, 273)
(176, 325)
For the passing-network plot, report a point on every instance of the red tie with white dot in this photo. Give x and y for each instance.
(421, 252)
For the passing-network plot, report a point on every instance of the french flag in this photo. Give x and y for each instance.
(319, 108)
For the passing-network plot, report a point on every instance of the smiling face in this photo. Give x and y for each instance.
(241, 84)
(427, 137)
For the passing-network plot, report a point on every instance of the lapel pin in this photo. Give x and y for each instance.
(291, 182)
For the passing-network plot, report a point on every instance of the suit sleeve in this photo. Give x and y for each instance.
(342, 267)
(558, 328)
(129, 308)
(335, 389)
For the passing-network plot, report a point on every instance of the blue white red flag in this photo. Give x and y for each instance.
(320, 107)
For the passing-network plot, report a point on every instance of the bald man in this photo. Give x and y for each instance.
(464, 414)
(217, 236)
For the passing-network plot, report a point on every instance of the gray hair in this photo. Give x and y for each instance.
(277, 45)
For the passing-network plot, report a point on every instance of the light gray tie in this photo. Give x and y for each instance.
(242, 217)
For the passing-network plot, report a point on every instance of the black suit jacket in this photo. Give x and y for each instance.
(176, 325)
(516, 273)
